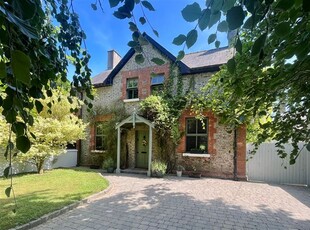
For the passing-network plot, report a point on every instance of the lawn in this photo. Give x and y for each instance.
(40, 194)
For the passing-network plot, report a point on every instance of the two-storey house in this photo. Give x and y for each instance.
(128, 83)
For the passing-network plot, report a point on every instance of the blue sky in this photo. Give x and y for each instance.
(105, 32)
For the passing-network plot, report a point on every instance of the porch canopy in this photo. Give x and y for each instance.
(134, 119)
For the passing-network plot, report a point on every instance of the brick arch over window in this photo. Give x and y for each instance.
(211, 130)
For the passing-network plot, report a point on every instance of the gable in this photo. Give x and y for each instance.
(192, 63)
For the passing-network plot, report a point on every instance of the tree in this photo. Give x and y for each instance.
(53, 127)
(269, 74)
(37, 39)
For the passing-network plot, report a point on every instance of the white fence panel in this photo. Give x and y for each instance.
(65, 160)
(266, 165)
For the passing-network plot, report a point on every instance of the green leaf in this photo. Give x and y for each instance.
(214, 18)
(308, 147)
(181, 55)
(158, 61)
(142, 40)
(258, 44)
(179, 40)
(19, 128)
(139, 58)
(217, 44)
(148, 5)
(23, 25)
(285, 4)
(129, 4)
(133, 27)
(306, 7)
(282, 29)
(156, 33)
(248, 23)
(204, 20)
(235, 17)
(6, 172)
(39, 106)
(2, 70)
(191, 12)
(21, 66)
(228, 4)
(238, 46)
(142, 20)
(211, 38)
(114, 3)
(23, 143)
(8, 191)
(121, 14)
(222, 26)
(231, 65)
(292, 161)
(191, 38)
(132, 44)
(94, 6)
(216, 5)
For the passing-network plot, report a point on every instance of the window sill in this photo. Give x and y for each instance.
(131, 100)
(97, 151)
(196, 155)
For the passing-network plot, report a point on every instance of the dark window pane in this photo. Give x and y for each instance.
(99, 143)
(191, 126)
(202, 126)
(132, 93)
(190, 143)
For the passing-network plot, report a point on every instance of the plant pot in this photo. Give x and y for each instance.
(110, 170)
(157, 174)
(195, 175)
(179, 173)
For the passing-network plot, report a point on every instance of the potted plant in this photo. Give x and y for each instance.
(108, 164)
(180, 168)
(158, 169)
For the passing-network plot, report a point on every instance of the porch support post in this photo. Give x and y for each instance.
(150, 151)
(118, 159)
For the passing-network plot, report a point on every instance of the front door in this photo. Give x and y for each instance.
(142, 148)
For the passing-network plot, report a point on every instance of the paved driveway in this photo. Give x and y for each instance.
(138, 202)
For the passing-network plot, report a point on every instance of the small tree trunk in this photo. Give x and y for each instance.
(39, 164)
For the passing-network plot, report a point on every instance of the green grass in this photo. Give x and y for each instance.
(40, 194)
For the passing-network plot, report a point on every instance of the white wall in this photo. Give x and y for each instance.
(65, 160)
(267, 166)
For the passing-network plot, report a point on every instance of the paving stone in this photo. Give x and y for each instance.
(138, 202)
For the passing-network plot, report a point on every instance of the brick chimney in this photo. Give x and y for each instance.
(113, 59)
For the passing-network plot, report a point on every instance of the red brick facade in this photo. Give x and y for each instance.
(211, 131)
(241, 153)
(144, 79)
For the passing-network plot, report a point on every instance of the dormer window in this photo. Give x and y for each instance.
(132, 88)
(157, 83)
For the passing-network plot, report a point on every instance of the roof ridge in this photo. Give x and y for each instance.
(221, 48)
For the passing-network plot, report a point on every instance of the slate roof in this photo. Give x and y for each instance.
(198, 62)
(101, 77)
(206, 58)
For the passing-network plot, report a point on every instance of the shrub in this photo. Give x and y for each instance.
(158, 166)
(108, 163)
